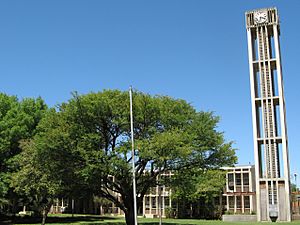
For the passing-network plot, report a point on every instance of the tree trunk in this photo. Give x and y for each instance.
(129, 217)
(72, 207)
(101, 209)
(45, 212)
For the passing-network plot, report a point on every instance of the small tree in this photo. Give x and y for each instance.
(18, 121)
(195, 185)
(102, 202)
(32, 181)
(45, 167)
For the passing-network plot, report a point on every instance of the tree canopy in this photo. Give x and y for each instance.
(18, 121)
(86, 142)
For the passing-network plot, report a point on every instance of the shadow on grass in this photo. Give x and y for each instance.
(144, 223)
(156, 223)
(56, 219)
(90, 219)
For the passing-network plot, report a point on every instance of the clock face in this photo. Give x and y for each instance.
(260, 17)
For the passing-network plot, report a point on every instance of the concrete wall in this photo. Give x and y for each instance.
(238, 218)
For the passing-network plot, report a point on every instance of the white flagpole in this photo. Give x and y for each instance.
(133, 160)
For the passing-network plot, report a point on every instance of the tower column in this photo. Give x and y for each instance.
(268, 116)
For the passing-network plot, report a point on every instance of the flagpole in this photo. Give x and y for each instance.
(133, 160)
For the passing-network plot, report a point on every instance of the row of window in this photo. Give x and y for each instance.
(154, 202)
(236, 179)
(238, 200)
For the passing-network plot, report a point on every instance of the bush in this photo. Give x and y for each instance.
(169, 212)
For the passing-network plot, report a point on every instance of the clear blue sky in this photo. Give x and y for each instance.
(195, 50)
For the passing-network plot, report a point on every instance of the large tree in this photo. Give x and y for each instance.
(169, 133)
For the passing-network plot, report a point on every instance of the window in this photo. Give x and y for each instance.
(147, 202)
(167, 202)
(231, 202)
(238, 202)
(161, 189)
(238, 179)
(230, 182)
(153, 202)
(247, 202)
(246, 178)
(238, 182)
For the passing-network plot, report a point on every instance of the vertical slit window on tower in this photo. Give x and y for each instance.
(269, 16)
(277, 120)
(270, 193)
(261, 155)
(257, 84)
(274, 157)
(272, 47)
(275, 192)
(255, 47)
(280, 160)
(276, 150)
(275, 82)
(259, 122)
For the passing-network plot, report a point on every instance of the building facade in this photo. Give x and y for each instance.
(239, 193)
(158, 200)
(268, 116)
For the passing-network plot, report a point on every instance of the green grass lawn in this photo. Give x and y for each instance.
(66, 219)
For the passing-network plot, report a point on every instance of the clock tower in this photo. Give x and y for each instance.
(268, 116)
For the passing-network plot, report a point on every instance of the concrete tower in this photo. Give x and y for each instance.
(268, 115)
